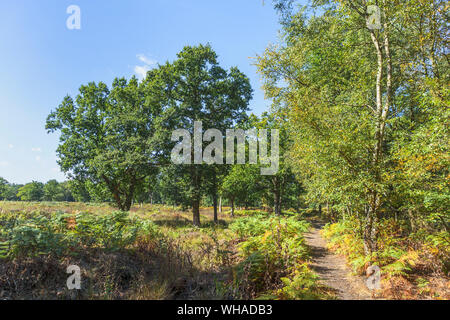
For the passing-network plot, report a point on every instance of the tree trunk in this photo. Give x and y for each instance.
(412, 220)
(216, 219)
(214, 196)
(128, 201)
(118, 201)
(277, 195)
(370, 230)
(232, 207)
(196, 212)
(196, 197)
(277, 200)
(220, 204)
(346, 213)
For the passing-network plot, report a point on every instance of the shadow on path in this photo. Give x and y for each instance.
(332, 269)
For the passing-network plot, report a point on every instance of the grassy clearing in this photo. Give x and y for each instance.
(152, 252)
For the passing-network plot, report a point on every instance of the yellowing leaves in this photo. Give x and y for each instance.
(266, 234)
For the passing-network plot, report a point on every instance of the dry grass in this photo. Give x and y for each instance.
(183, 263)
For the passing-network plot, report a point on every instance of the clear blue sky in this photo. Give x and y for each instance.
(41, 60)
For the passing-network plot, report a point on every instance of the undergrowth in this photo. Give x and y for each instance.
(274, 259)
(412, 266)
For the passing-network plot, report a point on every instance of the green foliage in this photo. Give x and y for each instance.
(60, 233)
(33, 191)
(345, 238)
(247, 213)
(10, 192)
(273, 252)
(79, 190)
(200, 90)
(242, 185)
(367, 110)
(173, 187)
(3, 187)
(302, 286)
(395, 256)
(245, 185)
(113, 140)
(107, 137)
(55, 191)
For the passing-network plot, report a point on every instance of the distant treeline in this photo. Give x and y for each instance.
(242, 187)
(36, 191)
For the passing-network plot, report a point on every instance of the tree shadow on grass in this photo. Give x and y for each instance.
(173, 223)
(186, 223)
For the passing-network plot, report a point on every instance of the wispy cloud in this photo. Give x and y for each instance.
(36, 149)
(146, 59)
(141, 71)
(10, 146)
(4, 163)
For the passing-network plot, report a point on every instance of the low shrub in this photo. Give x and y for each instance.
(401, 257)
(62, 233)
(274, 255)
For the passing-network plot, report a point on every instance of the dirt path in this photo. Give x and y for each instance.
(333, 270)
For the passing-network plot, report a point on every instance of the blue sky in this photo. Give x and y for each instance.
(41, 60)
